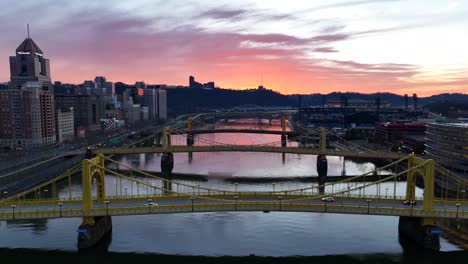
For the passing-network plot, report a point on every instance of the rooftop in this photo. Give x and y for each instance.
(28, 46)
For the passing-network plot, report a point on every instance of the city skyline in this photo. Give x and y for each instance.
(356, 46)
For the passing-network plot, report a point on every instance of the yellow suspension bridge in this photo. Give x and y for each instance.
(163, 195)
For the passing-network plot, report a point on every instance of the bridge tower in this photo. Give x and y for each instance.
(283, 129)
(93, 228)
(189, 124)
(423, 230)
(190, 138)
(322, 163)
(166, 140)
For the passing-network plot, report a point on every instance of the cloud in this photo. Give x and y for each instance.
(325, 50)
(223, 14)
(347, 4)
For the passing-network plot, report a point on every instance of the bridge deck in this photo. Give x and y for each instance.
(251, 148)
(229, 130)
(215, 203)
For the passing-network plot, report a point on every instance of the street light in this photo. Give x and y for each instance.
(192, 198)
(60, 204)
(107, 206)
(236, 197)
(13, 206)
(273, 187)
(236, 183)
(279, 198)
(463, 191)
(386, 192)
(457, 205)
(149, 204)
(368, 203)
(5, 193)
(126, 190)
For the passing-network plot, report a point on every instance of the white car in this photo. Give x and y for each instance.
(151, 204)
(328, 199)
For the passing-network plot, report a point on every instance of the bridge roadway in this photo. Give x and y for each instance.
(252, 148)
(230, 130)
(246, 202)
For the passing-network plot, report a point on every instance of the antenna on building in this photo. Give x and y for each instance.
(28, 30)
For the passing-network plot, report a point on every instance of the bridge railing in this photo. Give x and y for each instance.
(236, 206)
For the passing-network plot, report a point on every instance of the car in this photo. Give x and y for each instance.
(407, 202)
(328, 199)
(151, 204)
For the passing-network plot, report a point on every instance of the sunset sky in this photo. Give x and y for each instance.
(299, 46)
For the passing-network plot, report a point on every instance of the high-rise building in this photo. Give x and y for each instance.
(99, 81)
(109, 88)
(27, 117)
(150, 100)
(65, 125)
(15, 119)
(162, 104)
(87, 110)
(447, 144)
(140, 85)
(28, 65)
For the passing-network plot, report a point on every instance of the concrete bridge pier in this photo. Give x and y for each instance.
(167, 164)
(90, 232)
(283, 140)
(321, 182)
(322, 166)
(420, 231)
(190, 139)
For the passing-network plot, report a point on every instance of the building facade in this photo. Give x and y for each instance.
(393, 133)
(27, 117)
(87, 110)
(162, 104)
(447, 144)
(65, 125)
(150, 101)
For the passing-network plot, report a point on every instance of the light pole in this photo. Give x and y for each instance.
(368, 203)
(125, 191)
(13, 206)
(236, 183)
(5, 193)
(149, 205)
(236, 198)
(60, 204)
(279, 198)
(457, 205)
(273, 187)
(386, 192)
(192, 198)
(107, 206)
(463, 191)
